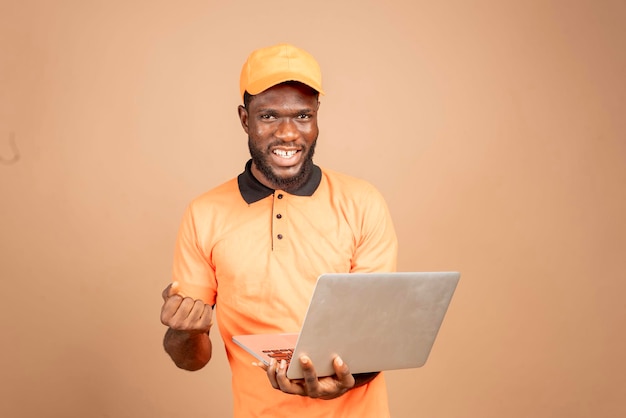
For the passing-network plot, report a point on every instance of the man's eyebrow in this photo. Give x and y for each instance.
(267, 110)
(275, 111)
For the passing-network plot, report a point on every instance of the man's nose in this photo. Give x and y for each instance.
(287, 130)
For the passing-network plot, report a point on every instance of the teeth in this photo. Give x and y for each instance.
(285, 154)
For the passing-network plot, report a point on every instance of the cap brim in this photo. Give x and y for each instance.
(263, 84)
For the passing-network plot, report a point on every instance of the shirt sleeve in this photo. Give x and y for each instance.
(377, 246)
(191, 268)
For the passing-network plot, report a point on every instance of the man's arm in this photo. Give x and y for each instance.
(188, 351)
(187, 339)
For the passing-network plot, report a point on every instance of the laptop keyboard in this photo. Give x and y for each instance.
(280, 354)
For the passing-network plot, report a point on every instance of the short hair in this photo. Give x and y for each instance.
(247, 97)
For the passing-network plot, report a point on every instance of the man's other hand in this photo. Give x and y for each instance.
(328, 387)
(185, 314)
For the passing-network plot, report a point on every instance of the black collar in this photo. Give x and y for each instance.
(252, 190)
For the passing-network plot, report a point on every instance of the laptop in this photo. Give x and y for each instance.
(374, 321)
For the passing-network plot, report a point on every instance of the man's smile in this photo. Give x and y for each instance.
(285, 154)
(286, 157)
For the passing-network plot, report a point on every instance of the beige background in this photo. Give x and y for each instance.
(495, 129)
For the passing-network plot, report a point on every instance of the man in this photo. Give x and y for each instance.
(254, 247)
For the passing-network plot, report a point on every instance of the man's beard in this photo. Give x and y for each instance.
(288, 184)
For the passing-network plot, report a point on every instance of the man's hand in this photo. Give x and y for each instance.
(328, 387)
(185, 314)
(187, 338)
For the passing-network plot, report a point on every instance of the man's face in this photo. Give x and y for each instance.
(281, 124)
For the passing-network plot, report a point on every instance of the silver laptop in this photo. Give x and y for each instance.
(374, 321)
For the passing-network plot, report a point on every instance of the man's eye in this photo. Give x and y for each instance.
(267, 116)
(304, 116)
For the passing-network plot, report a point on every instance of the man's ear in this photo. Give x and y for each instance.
(243, 117)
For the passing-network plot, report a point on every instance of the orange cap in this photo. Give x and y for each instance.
(276, 64)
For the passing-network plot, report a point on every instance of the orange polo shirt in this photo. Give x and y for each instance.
(256, 253)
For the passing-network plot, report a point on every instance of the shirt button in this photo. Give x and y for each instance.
(279, 236)
(280, 196)
(279, 216)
